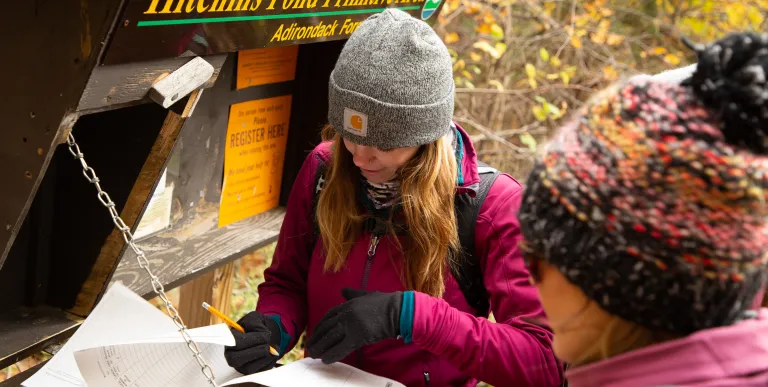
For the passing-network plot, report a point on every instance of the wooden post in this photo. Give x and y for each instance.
(191, 297)
(215, 288)
(222, 290)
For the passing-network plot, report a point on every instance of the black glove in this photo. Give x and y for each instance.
(251, 351)
(366, 318)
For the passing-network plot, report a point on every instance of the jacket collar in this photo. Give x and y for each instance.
(715, 354)
(469, 179)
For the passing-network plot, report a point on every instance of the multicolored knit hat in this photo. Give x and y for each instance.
(654, 202)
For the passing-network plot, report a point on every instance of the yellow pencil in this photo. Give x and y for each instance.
(231, 323)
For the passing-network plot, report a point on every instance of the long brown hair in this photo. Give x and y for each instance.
(428, 188)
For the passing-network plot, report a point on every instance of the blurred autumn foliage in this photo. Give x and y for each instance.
(523, 66)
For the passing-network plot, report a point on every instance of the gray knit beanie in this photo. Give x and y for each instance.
(392, 86)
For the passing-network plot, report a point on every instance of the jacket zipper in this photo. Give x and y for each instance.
(375, 238)
(426, 378)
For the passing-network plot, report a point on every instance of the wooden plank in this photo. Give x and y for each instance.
(29, 330)
(178, 255)
(191, 297)
(222, 291)
(125, 84)
(110, 252)
(22, 376)
(38, 98)
(213, 287)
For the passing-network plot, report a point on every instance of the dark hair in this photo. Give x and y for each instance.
(730, 79)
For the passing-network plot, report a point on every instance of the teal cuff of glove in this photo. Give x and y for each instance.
(285, 338)
(407, 311)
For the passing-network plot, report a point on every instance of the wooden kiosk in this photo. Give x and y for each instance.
(195, 115)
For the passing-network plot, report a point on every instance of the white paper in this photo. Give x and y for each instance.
(166, 364)
(120, 316)
(312, 372)
(157, 216)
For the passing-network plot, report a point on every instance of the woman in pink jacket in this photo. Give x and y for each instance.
(372, 283)
(646, 229)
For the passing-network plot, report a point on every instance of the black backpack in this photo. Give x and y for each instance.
(468, 273)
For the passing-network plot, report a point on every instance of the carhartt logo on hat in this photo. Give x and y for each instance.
(355, 122)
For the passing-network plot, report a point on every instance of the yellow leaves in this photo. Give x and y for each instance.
(614, 39)
(576, 36)
(662, 53)
(451, 38)
(501, 48)
(484, 29)
(496, 84)
(610, 73)
(576, 42)
(539, 113)
(472, 8)
(530, 71)
(450, 6)
(544, 54)
(567, 73)
(607, 12)
(497, 32)
(492, 29)
(549, 8)
(582, 20)
(475, 56)
(600, 36)
(495, 51)
(486, 25)
(672, 59)
(755, 16)
(528, 140)
(555, 61)
(547, 110)
(459, 65)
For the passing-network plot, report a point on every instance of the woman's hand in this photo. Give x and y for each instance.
(365, 318)
(251, 352)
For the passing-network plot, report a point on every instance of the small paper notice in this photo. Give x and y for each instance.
(257, 135)
(157, 216)
(266, 65)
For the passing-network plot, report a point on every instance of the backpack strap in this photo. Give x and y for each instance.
(468, 272)
(319, 184)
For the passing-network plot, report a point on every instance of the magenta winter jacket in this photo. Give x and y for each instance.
(733, 356)
(451, 343)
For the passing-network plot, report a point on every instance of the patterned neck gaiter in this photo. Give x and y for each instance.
(382, 195)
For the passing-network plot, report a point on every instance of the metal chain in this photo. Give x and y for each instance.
(104, 198)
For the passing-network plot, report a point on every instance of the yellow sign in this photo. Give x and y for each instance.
(253, 157)
(266, 65)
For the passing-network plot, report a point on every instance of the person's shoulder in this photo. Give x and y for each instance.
(504, 187)
(322, 151)
(503, 199)
(319, 156)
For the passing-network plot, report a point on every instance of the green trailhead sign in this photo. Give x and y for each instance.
(154, 29)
